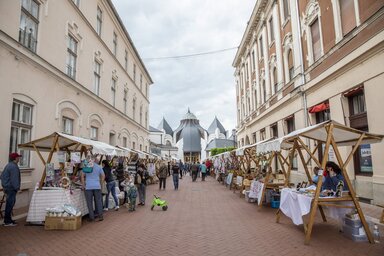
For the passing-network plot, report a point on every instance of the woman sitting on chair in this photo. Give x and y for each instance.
(332, 177)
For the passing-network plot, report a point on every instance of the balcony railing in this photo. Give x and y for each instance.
(26, 38)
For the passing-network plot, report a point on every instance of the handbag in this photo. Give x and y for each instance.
(104, 190)
(138, 179)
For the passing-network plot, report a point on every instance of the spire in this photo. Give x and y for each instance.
(216, 125)
(165, 126)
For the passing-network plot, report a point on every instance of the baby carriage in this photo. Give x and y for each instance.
(158, 202)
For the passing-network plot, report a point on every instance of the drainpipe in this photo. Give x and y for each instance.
(302, 82)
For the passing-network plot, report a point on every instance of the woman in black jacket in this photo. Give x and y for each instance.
(110, 185)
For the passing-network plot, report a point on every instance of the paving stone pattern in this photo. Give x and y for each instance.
(204, 218)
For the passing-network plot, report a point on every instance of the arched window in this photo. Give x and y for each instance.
(275, 84)
(291, 69)
(264, 89)
(134, 108)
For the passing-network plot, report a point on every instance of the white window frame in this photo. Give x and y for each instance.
(96, 78)
(134, 108)
(27, 36)
(260, 46)
(114, 43)
(287, 46)
(125, 99)
(113, 92)
(126, 60)
(99, 20)
(20, 125)
(337, 18)
(71, 54)
(271, 30)
(284, 19)
(311, 14)
(67, 125)
(94, 133)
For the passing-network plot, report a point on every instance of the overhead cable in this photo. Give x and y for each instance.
(191, 55)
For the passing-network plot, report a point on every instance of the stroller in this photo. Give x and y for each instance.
(158, 202)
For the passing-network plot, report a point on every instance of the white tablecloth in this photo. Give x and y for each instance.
(43, 199)
(294, 205)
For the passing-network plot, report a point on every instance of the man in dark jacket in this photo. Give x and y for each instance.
(10, 180)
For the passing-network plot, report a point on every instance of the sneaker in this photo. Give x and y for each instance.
(9, 224)
(101, 219)
(117, 208)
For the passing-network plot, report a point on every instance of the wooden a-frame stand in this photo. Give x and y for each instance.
(318, 201)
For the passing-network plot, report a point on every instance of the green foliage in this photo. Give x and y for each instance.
(216, 151)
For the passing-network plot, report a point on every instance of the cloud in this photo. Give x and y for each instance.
(205, 84)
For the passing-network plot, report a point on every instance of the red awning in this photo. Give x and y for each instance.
(318, 108)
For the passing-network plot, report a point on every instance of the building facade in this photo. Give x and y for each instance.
(68, 66)
(302, 62)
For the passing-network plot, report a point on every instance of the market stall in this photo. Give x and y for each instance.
(332, 135)
(61, 185)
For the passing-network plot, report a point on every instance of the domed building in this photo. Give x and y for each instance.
(189, 142)
(190, 136)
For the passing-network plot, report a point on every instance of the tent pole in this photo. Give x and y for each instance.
(48, 160)
(329, 129)
(351, 190)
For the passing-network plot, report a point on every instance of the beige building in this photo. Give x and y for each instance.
(68, 66)
(302, 62)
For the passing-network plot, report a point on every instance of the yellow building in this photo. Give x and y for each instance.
(68, 66)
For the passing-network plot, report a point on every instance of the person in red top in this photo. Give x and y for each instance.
(208, 163)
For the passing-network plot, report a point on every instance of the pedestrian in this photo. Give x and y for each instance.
(162, 175)
(194, 170)
(203, 170)
(141, 178)
(169, 168)
(91, 179)
(10, 180)
(111, 185)
(181, 165)
(131, 190)
(198, 169)
(208, 163)
(176, 173)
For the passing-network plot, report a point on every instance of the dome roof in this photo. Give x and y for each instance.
(189, 115)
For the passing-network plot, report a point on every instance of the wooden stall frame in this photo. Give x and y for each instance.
(317, 201)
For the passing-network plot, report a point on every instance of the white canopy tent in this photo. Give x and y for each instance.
(343, 136)
(59, 141)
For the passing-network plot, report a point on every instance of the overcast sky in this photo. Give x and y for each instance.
(205, 84)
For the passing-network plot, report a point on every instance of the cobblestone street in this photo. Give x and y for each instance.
(204, 218)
